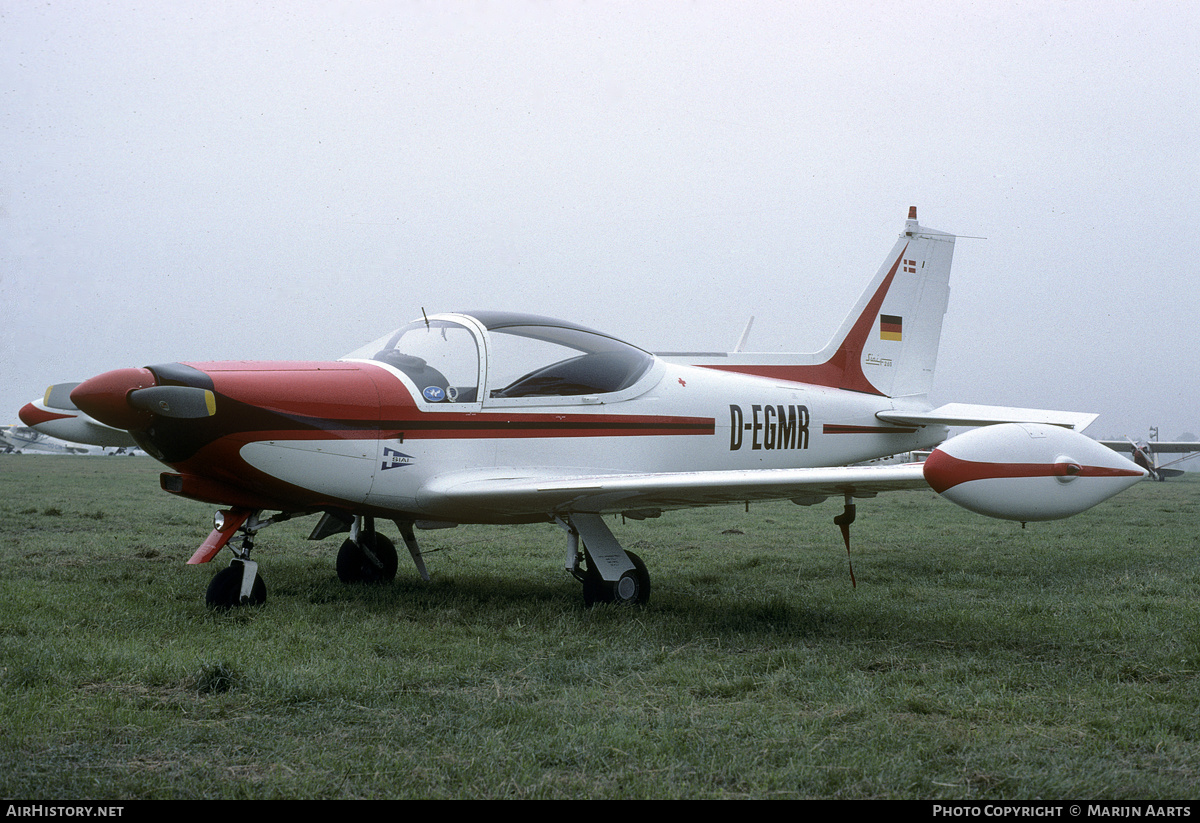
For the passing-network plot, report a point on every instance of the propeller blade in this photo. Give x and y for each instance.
(184, 402)
(58, 396)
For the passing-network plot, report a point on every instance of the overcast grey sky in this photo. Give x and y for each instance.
(218, 180)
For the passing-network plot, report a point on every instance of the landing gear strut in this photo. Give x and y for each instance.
(612, 575)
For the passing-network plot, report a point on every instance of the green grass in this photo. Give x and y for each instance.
(975, 659)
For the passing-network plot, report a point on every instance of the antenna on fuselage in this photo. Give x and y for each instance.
(741, 343)
(423, 314)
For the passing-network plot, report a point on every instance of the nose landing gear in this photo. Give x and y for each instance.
(238, 584)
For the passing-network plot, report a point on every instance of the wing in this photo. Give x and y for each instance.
(510, 496)
(1025, 472)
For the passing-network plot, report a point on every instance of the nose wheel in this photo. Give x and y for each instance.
(238, 584)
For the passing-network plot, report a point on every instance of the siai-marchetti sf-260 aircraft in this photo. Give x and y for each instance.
(495, 417)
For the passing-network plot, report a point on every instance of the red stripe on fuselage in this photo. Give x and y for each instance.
(356, 401)
(839, 428)
(472, 426)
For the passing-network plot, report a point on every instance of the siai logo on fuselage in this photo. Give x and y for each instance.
(768, 427)
(393, 459)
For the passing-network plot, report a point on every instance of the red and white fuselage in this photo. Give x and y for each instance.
(360, 436)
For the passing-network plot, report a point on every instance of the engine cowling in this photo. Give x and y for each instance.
(1027, 471)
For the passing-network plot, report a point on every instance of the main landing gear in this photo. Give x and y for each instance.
(612, 575)
(366, 556)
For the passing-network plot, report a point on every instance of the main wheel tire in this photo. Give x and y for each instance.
(225, 590)
(595, 589)
(353, 565)
(634, 586)
(632, 589)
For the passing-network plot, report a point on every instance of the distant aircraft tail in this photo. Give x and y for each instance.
(888, 344)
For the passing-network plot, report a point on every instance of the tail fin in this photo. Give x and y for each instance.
(888, 343)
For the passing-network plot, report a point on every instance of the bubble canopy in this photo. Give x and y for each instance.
(498, 356)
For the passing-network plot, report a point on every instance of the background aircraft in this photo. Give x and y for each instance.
(1145, 454)
(496, 417)
(22, 438)
(55, 415)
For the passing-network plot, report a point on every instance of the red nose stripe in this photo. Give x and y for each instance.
(942, 471)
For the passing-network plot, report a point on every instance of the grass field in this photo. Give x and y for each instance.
(974, 660)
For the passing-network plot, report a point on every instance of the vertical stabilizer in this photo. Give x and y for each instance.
(888, 343)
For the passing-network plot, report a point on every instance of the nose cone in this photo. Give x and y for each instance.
(105, 397)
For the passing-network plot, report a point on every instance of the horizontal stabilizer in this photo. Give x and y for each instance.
(970, 414)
